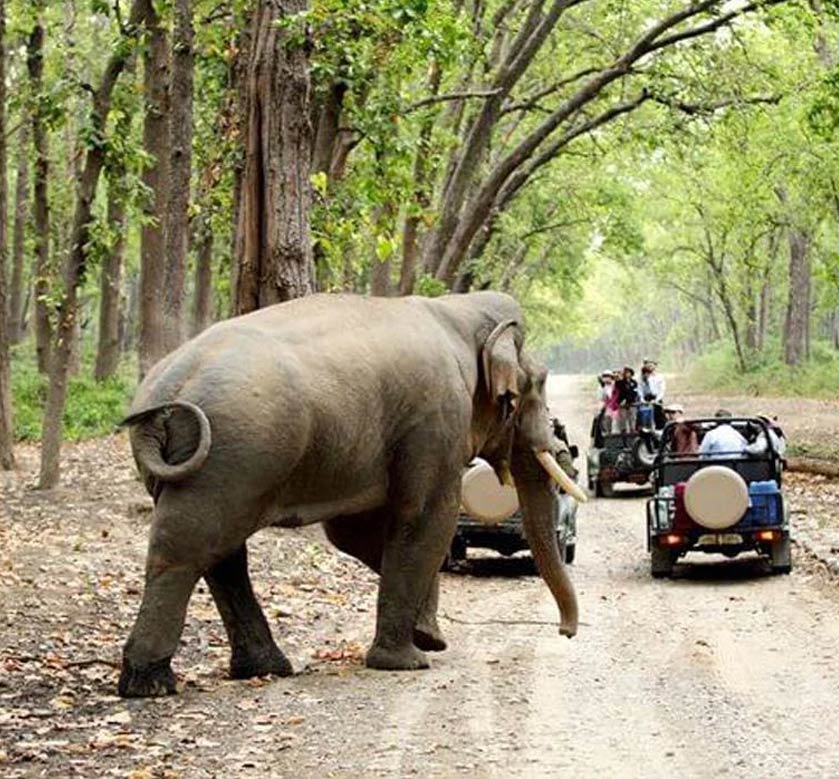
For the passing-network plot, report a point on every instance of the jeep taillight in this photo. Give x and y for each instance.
(665, 508)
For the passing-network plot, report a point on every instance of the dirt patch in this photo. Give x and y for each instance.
(71, 577)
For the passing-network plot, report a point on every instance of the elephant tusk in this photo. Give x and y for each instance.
(549, 463)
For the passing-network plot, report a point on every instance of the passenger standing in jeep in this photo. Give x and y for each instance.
(627, 396)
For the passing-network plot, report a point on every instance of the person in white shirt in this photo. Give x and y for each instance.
(655, 381)
(723, 440)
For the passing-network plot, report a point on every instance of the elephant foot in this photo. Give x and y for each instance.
(429, 638)
(407, 658)
(150, 681)
(245, 665)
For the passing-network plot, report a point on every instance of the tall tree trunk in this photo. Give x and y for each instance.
(152, 344)
(71, 135)
(180, 170)
(130, 316)
(329, 116)
(751, 312)
(7, 455)
(763, 313)
(202, 311)
(380, 285)
(19, 235)
(35, 65)
(273, 259)
(76, 262)
(798, 303)
(108, 349)
(421, 194)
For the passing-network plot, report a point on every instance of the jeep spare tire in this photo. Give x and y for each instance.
(716, 497)
(486, 498)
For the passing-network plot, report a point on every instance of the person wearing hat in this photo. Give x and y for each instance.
(776, 436)
(685, 440)
(607, 410)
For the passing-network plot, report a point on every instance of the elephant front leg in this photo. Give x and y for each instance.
(427, 633)
(416, 540)
(363, 537)
(253, 651)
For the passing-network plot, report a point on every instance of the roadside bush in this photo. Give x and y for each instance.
(93, 408)
(767, 374)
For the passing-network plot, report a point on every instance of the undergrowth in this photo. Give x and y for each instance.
(93, 408)
(767, 375)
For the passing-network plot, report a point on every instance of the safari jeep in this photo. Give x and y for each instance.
(726, 503)
(490, 517)
(626, 458)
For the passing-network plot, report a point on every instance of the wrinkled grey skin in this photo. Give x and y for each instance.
(358, 412)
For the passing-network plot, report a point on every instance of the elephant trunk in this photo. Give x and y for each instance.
(539, 503)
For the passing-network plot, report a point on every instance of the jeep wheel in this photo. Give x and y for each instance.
(604, 490)
(781, 556)
(661, 562)
(455, 555)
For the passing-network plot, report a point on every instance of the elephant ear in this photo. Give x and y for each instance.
(501, 363)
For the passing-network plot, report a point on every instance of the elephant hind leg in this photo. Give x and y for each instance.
(362, 536)
(253, 651)
(147, 655)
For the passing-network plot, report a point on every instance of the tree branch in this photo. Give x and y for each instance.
(707, 109)
(713, 25)
(450, 96)
(480, 205)
(532, 101)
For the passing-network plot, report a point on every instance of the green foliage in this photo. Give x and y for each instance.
(93, 408)
(717, 370)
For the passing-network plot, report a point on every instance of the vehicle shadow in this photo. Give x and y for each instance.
(722, 571)
(507, 567)
(630, 494)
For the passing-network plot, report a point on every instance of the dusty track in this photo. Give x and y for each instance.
(723, 671)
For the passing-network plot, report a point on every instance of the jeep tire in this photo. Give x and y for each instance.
(455, 554)
(661, 562)
(604, 489)
(781, 555)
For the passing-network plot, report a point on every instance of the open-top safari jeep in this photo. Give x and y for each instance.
(626, 457)
(490, 516)
(725, 502)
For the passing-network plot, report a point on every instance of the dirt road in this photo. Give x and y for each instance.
(723, 671)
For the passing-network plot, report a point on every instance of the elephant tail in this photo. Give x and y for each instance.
(150, 436)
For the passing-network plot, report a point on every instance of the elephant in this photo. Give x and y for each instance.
(353, 411)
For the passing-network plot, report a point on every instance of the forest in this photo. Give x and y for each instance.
(643, 176)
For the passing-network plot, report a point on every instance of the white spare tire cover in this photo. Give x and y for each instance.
(486, 498)
(716, 497)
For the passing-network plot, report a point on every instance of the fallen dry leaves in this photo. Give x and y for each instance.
(71, 574)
